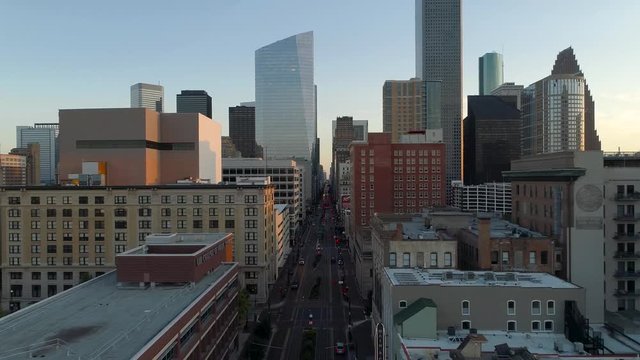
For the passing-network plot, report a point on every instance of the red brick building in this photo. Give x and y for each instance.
(387, 177)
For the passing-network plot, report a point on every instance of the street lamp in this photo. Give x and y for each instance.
(11, 305)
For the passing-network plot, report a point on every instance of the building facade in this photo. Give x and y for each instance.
(56, 237)
(194, 101)
(508, 90)
(46, 136)
(141, 146)
(560, 195)
(485, 198)
(178, 296)
(31, 154)
(286, 98)
(242, 130)
(284, 242)
(490, 72)
(395, 178)
(147, 96)
(491, 138)
(285, 175)
(13, 170)
(439, 58)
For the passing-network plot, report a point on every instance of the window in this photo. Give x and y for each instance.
(197, 224)
(511, 325)
(121, 236)
(83, 260)
(505, 258)
(251, 224)
(99, 236)
(67, 249)
(181, 224)
(98, 200)
(165, 199)
(165, 224)
(544, 257)
(182, 212)
(82, 249)
(144, 212)
(251, 236)
(83, 236)
(83, 224)
(197, 199)
(144, 224)
(67, 213)
(229, 224)
(406, 259)
(14, 237)
(35, 224)
(15, 275)
(35, 200)
(532, 257)
(120, 212)
(213, 224)
(402, 304)
(250, 199)
(146, 199)
(67, 275)
(15, 213)
(213, 212)
(213, 199)
(81, 212)
(83, 200)
(120, 249)
(66, 199)
(34, 212)
(51, 249)
(120, 199)
(120, 224)
(535, 325)
(250, 260)
(551, 307)
(548, 325)
(511, 307)
(35, 261)
(466, 307)
(466, 325)
(181, 199)
(251, 275)
(99, 224)
(251, 248)
(250, 212)
(14, 261)
(98, 212)
(100, 249)
(67, 261)
(433, 259)
(229, 199)
(51, 236)
(535, 307)
(14, 200)
(392, 259)
(165, 212)
(35, 237)
(229, 212)
(448, 259)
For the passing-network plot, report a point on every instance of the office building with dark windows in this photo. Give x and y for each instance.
(286, 98)
(194, 101)
(147, 96)
(175, 297)
(46, 136)
(140, 146)
(242, 130)
(439, 58)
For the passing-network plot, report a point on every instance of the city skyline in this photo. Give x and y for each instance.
(93, 68)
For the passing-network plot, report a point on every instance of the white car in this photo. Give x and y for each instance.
(301, 262)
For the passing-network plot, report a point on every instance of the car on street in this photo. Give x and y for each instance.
(301, 262)
(294, 285)
(340, 349)
(340, 262)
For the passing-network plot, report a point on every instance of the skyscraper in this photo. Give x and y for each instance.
(194, 101)
(490, 72)
(147, 96)
(242, 130)
(46, 135)
(558, 111)
(410, 105)
(438, 58)
(285, 98)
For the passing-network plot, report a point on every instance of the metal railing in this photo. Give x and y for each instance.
(626, 236)
(626, 274)
(626, 255)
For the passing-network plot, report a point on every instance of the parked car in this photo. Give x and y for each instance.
(301, 262)
(340, 262)
(340, 349)
(294, 285)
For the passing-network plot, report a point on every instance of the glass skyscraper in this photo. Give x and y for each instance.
(490, 72)
(285, 98)
(46, 135)
(438, 58)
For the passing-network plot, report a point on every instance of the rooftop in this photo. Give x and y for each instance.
(416, 230)
(154, 243)
(98, 319)
(440, 277)
(505, 229)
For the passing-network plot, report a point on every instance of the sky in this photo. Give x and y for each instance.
(86, 54)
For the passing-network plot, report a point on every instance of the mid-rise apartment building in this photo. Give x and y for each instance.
(486, 198)
(53, 238)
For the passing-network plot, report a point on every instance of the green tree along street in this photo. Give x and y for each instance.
(308, 351)
(243, 306)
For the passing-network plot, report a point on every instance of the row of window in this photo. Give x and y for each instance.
(51, 275)
(122, 236)
(512, 325)
(433, 259)
(414, 152)
(66, 249)
(142, 199)
(536, 307)
(53, 261)
(142, 224)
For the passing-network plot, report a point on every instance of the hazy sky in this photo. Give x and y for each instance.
(86, 54)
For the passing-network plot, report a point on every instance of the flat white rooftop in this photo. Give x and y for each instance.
(443, 277)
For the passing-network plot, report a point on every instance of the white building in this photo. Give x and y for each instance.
(147, 96)
(488, 198)
(46, 135)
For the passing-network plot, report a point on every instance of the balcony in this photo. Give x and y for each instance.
(626, 237)
(634, 196)
(627, 217)
(626, 293)
(626, 274)
(626, 255)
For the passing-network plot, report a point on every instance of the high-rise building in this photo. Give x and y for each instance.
(229, 149)
(242, 129)
(439, 58)
(558, 111)
(285, 98)
(141, 146)
(485, 198)
(46, 135)
(32, 156)
(510, 89)
(13, 170)
(490, 72)
(147, 96)
(194, 101)
(491, 138)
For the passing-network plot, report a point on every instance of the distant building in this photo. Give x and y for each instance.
(46, 136)
(396, 178)
(174, 296)
(194, 101)
(76, 232)
(147, 96)
(491, 139)
(141, 146)
(439, 59)
(286, 98)
(558, 111)
(13, 170)
(242, 130)
(490, 72)
(32, 157)
(229, 149)
(485, 198)
(283, 240)
(509, 90)
(421, 307)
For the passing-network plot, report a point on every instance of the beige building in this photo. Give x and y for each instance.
(402, 106)
(13, 170)
(140, 146)
(53, 238)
